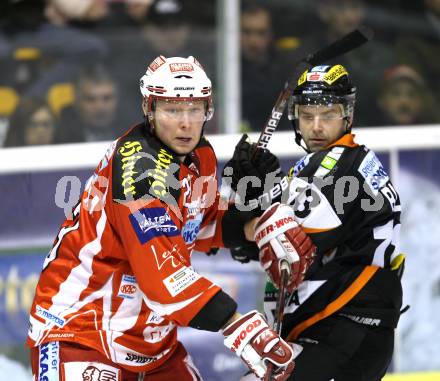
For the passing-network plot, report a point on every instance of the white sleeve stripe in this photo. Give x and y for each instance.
(73, 286)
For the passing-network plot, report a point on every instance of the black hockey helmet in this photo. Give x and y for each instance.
(323, 85)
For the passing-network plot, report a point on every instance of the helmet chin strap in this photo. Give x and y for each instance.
(348, 125)
(298, 138)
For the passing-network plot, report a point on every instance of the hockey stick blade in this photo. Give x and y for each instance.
(344, 45)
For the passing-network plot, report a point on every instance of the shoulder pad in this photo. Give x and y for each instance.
(143, 169)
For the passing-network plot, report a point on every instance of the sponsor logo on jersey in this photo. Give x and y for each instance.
(48, 361)
(139, 359)
(157, 333)
(90, 371)
(373, 172)
(328, 164)
(180, 280)
(129, 158)
(154, 318)
(193, 207)
(191, 229)
(171, 257)
(300, 295)
(158, 175)
(299, 165)
(128, 287)
(153, 222)
(45, 314)
(175, 67)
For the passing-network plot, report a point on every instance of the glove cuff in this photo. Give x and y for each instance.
(233, 226)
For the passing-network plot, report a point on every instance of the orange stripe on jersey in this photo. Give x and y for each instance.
(337, 304)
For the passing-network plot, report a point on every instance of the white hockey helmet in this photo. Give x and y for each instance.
(176, 79)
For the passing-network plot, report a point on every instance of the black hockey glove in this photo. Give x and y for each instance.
(248, 160)
(245, 253)
(213, 251)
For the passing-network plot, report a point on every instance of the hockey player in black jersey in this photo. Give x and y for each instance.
(342, 305)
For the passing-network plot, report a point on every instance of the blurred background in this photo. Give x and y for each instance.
(69, 72)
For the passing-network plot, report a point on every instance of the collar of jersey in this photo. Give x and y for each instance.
(346, 140)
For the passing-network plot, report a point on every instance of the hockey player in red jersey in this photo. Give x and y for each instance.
(118, 281)
(341, 310)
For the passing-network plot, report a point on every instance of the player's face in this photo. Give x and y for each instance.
(321, 126)
(179, 124)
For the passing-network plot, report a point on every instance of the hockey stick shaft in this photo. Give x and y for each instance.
(344, 45)
(279, 309)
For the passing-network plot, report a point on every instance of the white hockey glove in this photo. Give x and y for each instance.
(250, 338)
(280, 238)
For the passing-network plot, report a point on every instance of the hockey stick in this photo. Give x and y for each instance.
(344, 45)
(279, 309)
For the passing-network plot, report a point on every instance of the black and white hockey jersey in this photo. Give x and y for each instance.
(345, 201)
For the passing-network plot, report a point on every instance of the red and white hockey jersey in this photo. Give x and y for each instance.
(119, 278)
